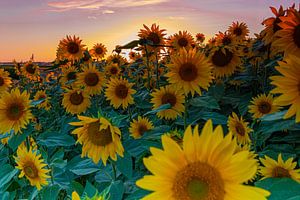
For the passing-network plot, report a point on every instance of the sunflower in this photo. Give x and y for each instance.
(205, 168)
(99, 138)
(32, 144)
(14, 111)
(239, 30)
(32, 167)
(289, 35)
(30, 70)
(225, 61)
(91, 79)
(154, 35)
(190, 71)
(40, 95)
(226, 39)
(168, 95)
(119, 92)
(200, 37)
(134, 55)
(116, 59)
(5, 80)
(181, 40)
(98, 51)
(279, 168)
(71, 48)
(139, 126)
(76, 101)
(262, 105)
(112, 70)
(239, 128)
(288, 85)
(69, 75)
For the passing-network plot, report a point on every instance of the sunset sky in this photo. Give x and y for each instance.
(36, 26)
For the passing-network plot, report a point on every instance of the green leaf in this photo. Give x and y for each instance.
(124, 165)
(117, 190)
(7, 172)
(37, 102)
(81, 166)
(50, 192)
(54, 139)
(205, 101)
(160, 108)
(89, 190)
(16, 140)
(156, 132)
(273, 116)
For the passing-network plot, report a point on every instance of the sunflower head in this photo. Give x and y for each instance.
(112, 70)
(180, 40)
(71, 48)
(140, 126)
(116, 59)
(41, 95)
(98, 51)
(154, 35)
(30, 70)
(239, 30)
(200, 37)
(5, 80)
(76, 101)
(239, 128)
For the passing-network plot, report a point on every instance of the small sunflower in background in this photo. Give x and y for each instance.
(112, 70)
(239, 129)
(98, 51)
(205, 167)
(133, 56)
(261, 105)
(69, 76)
(30, 70)
(140, 126)
(76, 101)
(239, 30)
(40, 95)
(180, 40)
(32, 167)
(288, 86)
(91, 79)
(99, 138)
(71, 48)
(116, 59)
(119, 92)
(226, 39)
(155, 35)
(279, 168)
(15, 111)
(200, 37)
(190, 71)
(168, 95)
(5, 80)
(32, 144)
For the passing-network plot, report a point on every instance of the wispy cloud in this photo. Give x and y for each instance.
(108, 12)
(176, 18)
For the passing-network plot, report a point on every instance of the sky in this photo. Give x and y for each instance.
(36, 26)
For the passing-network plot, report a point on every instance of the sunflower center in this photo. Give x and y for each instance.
(183, 42)
(226, 41)
(154, 38)
(169, 98)
(121, 91)
(73, 48)
(188, 72)
(71, 76)
(240, 129)
(113, 70)
(30, 68)
(85, 57)
(142, 129)
(76, 99)
(91, 79)
(31, 171)
(99, 50)
(116, 60)
(220, 59)
(264, 107)
(276, 27)
(1, 81)
(238, 31)
(198, 181)
(280, 172)
(42, 97)
(15, 111)
(296, 36)
(99, 137)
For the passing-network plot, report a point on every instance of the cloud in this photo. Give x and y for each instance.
(176, 18)
(108, 12)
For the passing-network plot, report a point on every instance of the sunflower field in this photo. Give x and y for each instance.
(175, 119)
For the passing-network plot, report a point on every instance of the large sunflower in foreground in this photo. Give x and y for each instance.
(71, 48)
(190, 70)
(91, 79)
(288, 85)
(76, 101)
(69, 76)
(279, 168)
(5, 80)
(14, 111)
(239, 128)
(239, 30)
(140, 126)
(119, 92)
(183, 39)
(99, 138)
(168, 95)
(30, 70)
(205, 168)
(154, 35)
(32, 167)
(41, 95)
(98, 51)
(262, 105)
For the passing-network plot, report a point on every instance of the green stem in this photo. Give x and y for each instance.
(148, 67)
(113, 164)
(157, 75)
(185, 111)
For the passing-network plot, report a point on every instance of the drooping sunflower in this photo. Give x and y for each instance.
(239, 128)
(205, 168)
(154, 35)
(5, 80)
(168, 95)
(239, 30)
(225, 61)
(288, 85)
(69, 75)
(140, 126)
(98, 51)
(289, 35)
(262, 105)
(99, 138)
(40, 95)
(76, 101)
(14, 111)
(30, 70)
(116, 59)
(119, 92)
(190, 71)
(112, 70)
(180, 40)
(279, 168)
(91, 79)
(71, 48)
(32, 167)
